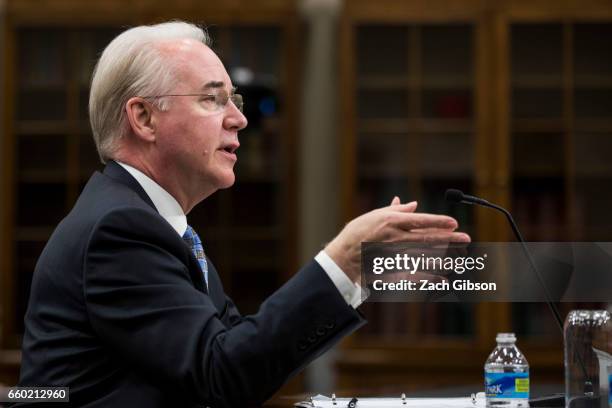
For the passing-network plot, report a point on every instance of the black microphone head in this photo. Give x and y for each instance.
(453, 196)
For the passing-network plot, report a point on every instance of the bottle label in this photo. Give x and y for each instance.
(609, 388)
(507, 385)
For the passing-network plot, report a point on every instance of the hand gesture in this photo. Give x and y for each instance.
(395, 223)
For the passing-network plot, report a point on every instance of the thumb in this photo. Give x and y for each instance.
(395, 201)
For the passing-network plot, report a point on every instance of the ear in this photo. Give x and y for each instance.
(140, 116)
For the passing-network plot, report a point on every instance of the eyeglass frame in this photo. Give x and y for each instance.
(239, 104)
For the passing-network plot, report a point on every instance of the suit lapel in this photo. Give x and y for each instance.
(215, 288)
(119, 174)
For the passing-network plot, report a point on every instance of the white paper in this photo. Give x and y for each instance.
(321, 401)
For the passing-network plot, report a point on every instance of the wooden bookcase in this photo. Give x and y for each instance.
(558, 129)
(51, 49)
(510, 100)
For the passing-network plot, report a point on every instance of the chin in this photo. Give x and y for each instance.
(227, 181)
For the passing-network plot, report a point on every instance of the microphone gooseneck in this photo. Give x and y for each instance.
(457, 197)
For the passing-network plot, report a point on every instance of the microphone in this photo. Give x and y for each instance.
(458, 197)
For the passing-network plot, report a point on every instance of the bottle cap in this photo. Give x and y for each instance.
(505, 338)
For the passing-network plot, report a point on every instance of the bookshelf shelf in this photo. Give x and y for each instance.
(593, 81)
(34, 234)
(44, 127)
(541, 171)
(245, 233)
(593, 125)
(415, 125)
(538, 125)
(42, 176)
(385, 173)
(377, 82)
(42, 85)
(443, 82)
(538, 81)
(446, 82)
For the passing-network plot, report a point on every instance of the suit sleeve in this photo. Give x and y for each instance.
(142, 303)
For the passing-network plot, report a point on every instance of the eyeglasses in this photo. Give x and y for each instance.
(211, 102)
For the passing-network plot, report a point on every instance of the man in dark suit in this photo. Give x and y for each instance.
(125, 309)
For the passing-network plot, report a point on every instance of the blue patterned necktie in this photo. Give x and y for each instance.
(193, 240)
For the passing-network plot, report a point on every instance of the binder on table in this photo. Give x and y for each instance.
(321, 401)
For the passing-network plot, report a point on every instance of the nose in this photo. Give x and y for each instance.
(234, 119)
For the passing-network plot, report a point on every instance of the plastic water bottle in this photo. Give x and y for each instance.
(506, 374)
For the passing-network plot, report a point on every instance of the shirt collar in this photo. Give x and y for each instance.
(166, 205)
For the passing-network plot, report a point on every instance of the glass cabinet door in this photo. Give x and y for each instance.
(415, 138)
(561, 116)
(53, 147)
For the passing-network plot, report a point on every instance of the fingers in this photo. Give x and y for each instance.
(411, 221)
(446, 236)
(433, 249)
(440, 236)
(407, 208)
(428, 230)
(435, 236)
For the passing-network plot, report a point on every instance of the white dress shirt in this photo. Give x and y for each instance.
(171, 210)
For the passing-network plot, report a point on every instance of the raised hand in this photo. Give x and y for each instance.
(395, 223)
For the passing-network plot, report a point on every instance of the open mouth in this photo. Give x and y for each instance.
(229, 151)
(230, 148)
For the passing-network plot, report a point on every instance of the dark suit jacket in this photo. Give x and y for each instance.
(119, 313)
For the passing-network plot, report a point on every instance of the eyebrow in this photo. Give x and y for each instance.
(213, 84)
(217, 84)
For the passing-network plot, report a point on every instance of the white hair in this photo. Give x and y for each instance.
(131, 65)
